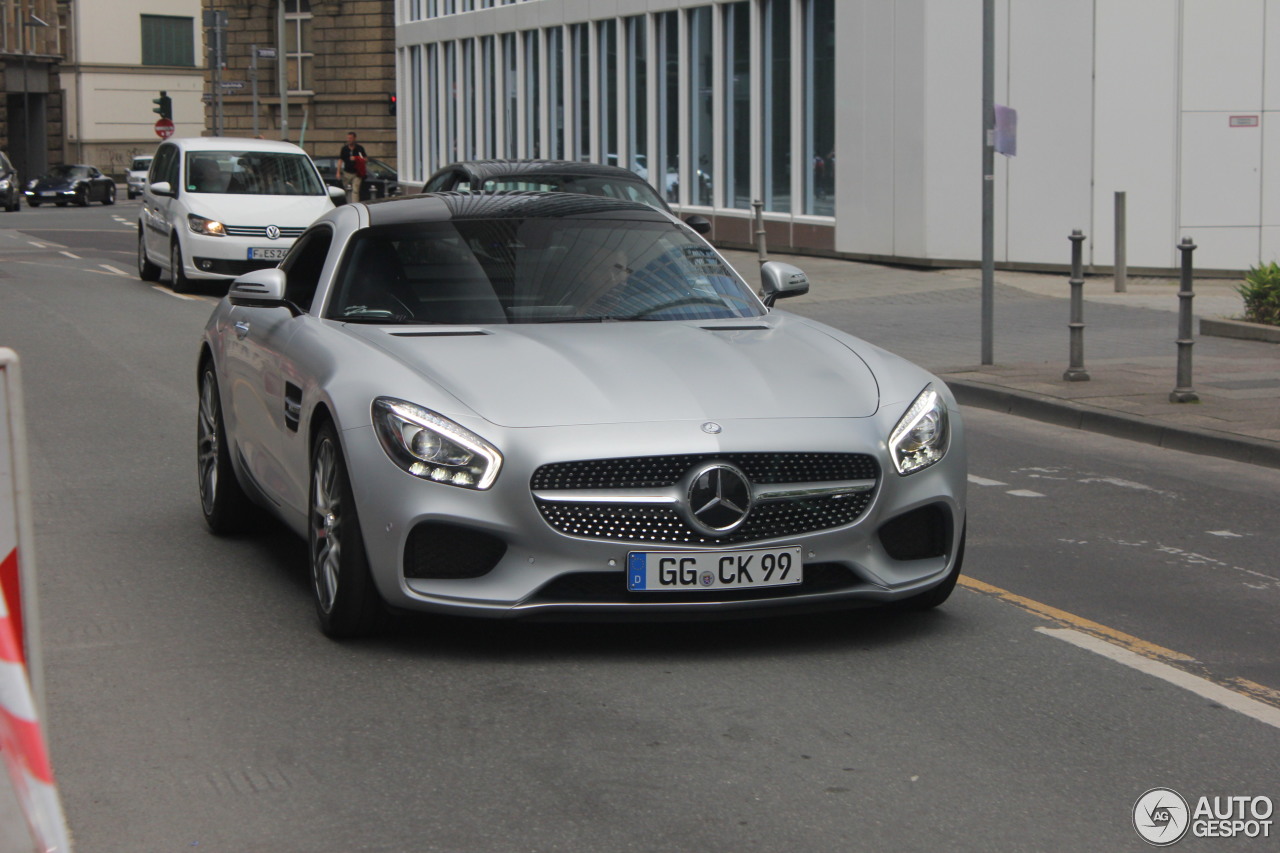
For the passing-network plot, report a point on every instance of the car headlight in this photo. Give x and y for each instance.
(433, 447)
(921, 435)
(4, 184)
(208, 227)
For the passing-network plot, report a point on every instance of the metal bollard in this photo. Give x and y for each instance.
(1121, 252)
(758, 206)
(1076, 372)
(1184, 393)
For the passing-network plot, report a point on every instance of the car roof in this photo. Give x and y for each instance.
(234, 143)
(485, 169)
(446, 206)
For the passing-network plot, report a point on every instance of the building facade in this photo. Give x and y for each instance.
(857, 125)
(333, 61)
(112, 83)
(33, 43)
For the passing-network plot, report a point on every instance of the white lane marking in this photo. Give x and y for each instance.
(177, 296)
(983, 481)
(1225, 534)
(37, 245)
(1259, 711)
(71, 255)
(114, 270)
(1024, 493)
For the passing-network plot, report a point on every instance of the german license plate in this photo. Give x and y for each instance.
(274, 253)
(47, 194)
(657, 571)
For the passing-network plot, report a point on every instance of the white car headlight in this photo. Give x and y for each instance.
(208, 227)
(4, 184)
(433, 447)
(922, 434)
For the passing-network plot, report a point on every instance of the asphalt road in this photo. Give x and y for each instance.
(193, 704)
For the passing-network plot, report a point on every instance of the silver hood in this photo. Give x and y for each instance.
(537, 375)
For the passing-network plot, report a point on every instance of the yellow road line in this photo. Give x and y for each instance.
(1186, 663)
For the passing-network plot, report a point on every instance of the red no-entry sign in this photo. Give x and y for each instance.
(164, 128)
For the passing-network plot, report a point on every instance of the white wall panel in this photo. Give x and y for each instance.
(953, 130)
(1050, 85)
(865, 144)
(1270, 168)
(1221, 172)
(1222, 44)
(909, 129)
(1222, 248)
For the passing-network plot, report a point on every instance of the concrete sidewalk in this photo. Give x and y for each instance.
(933, 317)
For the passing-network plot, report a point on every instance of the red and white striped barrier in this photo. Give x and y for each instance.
(21, 739)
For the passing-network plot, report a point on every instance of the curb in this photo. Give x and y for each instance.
(1064, 413)
(1240, 330)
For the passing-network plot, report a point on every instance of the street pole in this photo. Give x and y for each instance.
(282, 72)
(253, 80)
(1184, 393)
(1122, 263)
(1075, 369)
(988, 179)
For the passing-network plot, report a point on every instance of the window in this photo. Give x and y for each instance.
(667, 36)
(776, 96)
(168, 40)
(820, 106)
(608, 56)
(304, 264)
(298, 47)
(737, 104)
(638, 96)
(700, 86)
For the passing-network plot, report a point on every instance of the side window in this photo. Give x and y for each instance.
(441, 183)
(304, 264)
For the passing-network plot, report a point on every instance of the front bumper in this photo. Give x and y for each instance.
(221, 258)
(525, 568)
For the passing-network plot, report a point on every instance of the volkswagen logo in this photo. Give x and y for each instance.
(717, 498)
(273, 232)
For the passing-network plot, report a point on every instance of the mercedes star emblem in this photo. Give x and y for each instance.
(718, 498)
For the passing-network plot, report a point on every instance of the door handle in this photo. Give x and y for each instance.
(242, 329)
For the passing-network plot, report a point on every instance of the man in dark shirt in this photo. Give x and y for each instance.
(354, 160)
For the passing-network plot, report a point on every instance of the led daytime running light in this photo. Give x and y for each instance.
(433, 447)
(920, 438)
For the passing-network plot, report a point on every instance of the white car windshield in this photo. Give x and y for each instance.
(251, 173)
(535, 271)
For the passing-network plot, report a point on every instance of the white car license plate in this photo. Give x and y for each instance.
(274, 253)
(656, 571)
(47, 194)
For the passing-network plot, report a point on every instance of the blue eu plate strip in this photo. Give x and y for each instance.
(635, 571)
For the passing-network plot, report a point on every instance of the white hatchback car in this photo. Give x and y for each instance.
(136, 175)
(216, 208)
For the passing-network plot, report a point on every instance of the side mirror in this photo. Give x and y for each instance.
(259, 289)
(698, 223)
(162, 188)
(779, 281)
(337, 195)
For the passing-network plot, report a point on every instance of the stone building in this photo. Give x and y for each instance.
(33, 39)
(339, 60)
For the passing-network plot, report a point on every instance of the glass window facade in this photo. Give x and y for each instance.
(168, 40)
(714, 104)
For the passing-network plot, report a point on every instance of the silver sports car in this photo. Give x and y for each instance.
(559, 405)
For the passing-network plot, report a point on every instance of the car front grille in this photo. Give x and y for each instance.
(564, 491)
(260, 231)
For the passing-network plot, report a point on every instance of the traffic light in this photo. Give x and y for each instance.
(163, 106)
(391, 103)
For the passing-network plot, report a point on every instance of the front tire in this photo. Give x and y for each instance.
(178, 280)
(347, 603)
(147, 271)
(226, 508)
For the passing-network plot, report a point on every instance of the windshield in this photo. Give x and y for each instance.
(61, 173)
(629, 190)
(535, 271)
(140, 164)
(251, 173)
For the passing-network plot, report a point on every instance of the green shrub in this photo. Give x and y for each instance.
(1261, 292)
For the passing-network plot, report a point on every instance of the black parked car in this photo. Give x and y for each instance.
(80, 184)
(567, 176)
(380, 180)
